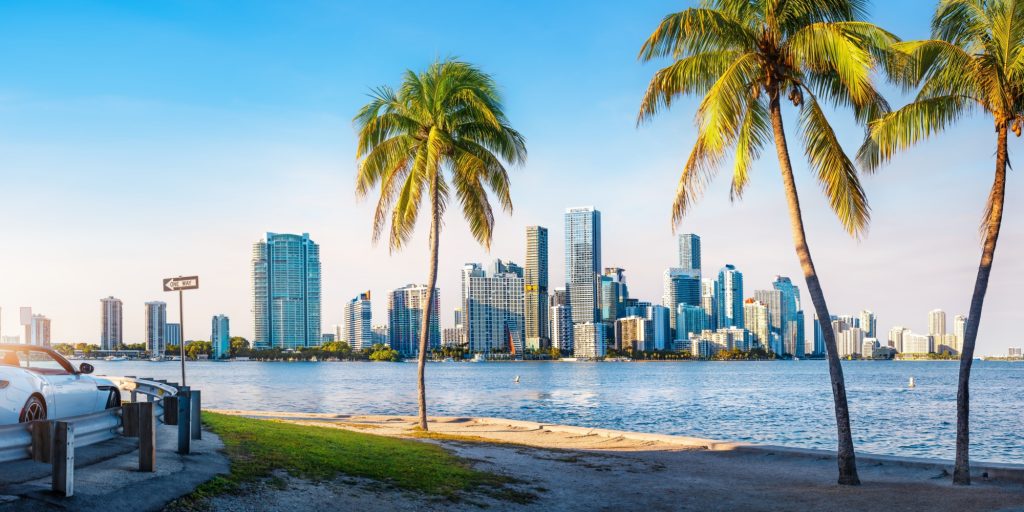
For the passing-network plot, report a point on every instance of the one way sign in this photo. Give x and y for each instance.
(173, 284)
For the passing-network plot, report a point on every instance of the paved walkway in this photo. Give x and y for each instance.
(107, 476)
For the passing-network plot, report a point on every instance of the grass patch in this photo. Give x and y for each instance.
(257, 448)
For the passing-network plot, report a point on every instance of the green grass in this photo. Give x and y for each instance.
(257, 448)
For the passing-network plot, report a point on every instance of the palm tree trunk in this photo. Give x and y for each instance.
(962, 467)
(846, 458)
(435, 228)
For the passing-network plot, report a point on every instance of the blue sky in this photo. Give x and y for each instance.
(140, 140)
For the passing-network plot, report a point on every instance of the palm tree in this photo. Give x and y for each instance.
(447, 118)
(975, 62)
(742, 56)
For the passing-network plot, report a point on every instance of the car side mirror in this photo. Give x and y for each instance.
(85, 368)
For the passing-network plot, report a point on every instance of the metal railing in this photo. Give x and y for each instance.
(55, 441)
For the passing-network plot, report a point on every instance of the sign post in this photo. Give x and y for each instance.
(180, 284)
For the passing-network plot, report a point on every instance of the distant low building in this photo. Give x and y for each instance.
(1015, 352)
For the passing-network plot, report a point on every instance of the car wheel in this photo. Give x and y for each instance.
(34, 410)
(114, 400)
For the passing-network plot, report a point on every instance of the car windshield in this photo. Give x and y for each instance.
(38, 361)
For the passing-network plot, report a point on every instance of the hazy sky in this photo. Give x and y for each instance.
(140, 140)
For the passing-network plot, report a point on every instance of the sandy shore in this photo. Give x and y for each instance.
(574, 468)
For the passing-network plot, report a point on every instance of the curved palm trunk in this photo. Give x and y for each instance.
(846, 458)
(962, 468)
(435, 228)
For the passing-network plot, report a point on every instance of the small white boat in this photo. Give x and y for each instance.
(517, 379)
(479, 358)
(115, 358)
(911, 384)
(156, 359)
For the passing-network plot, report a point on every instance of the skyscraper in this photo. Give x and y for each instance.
(220, 336)
(775, 311)
(689, 320)
(583, 263)
(560, 318)
(494, 310)
(680, 286)
(729, 291)
(689, 253)
(111, 323)
(791, 317)
(937, 322)
(869, 323)
(896, 337)
(614, 293)
(535, 285)
(172, 334)
(359, 322)
(37, 332)
(286, 291)
(756, 318)
(156, 328)
(405, 317)
(589, 342)
(709, 303)
(959, 331)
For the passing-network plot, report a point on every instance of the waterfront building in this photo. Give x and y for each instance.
(959, 332)
(896, 337)
(589, 341)
(756, 318)
(709, 342)
(937, 322)
(662, 328)
(452, 336)
(405, 319)
(849, 340)
(946, 344)
(729, 292)
(37, 327)
(773, 304)
(869, 323)
(689, 253)
(172, 334)
(111, 323)
(791, 317)
(633, 333)
(358, 314)
(493, 307)
(286, 291)
(535, 286)
(869, 347)
(220, 337)
(614, 294)
(918, 343)
(819, 337)
(560, 319)
(709, 303)
(680, 286)
(689, 320)
(583, 263)
(380, 335)
(156, 328)
(1015, 352)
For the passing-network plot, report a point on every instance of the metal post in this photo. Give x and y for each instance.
(170, 410)
(63, 481)
(181, 323)
(197, 420)
(147, 437)
(184, 421)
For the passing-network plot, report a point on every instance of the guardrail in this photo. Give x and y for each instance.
(55, 441)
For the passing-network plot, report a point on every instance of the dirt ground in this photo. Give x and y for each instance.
(580, 470)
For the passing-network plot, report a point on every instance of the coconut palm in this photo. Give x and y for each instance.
(443, 131)
(974, 63)
(742, 57)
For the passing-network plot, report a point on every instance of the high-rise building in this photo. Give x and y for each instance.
(220, 336)
(37, 332)
(849, 340)
(776, 312)
(380, 335)
(756, 318)
(791, 317)
(633, 333)
(689, 253)
(359, 322)
(918, 343)
(869, 323)
(689, 320)
(560, 318)
(535, 285)
(500, 266)
(709, 303)
(405, 317)
(729, 290)
(896, 337)
(493, 310)
(583, 263)
(614, 294)
(339, 332)
(589, 342)
(156, 328)
(172, 334)
(662, 327)
(937, 322)
(680, 286)
(819, 336)
(286, 291)
(959, 331)
(111, 323)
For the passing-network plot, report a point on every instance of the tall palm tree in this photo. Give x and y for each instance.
(973, 63)
(443, 128)
(742, 56)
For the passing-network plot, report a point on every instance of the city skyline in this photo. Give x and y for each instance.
(291, 139)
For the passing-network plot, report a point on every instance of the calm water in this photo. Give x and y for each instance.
(786, 403)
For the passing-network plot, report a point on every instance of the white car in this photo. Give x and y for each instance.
(37, 383)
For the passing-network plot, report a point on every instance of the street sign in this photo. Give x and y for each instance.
(173, 284)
